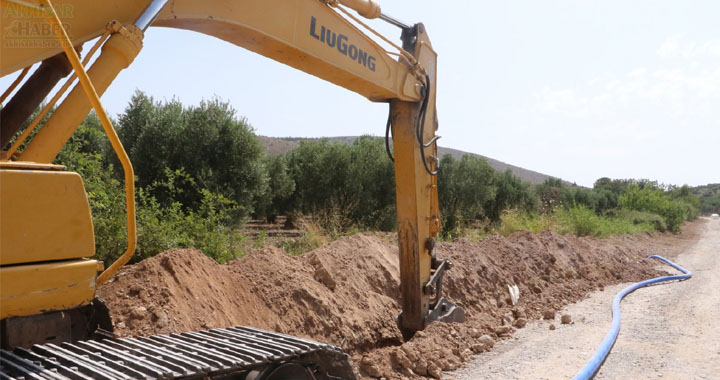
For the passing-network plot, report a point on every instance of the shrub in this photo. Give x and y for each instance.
(209, 142)
(514, 220)
(579, 220)
(160, 226)
(643, 218)
(652, 199)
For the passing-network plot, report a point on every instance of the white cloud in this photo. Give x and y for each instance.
(660, 120)
(678, 46)
(672, 86)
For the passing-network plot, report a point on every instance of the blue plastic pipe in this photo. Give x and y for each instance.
(593, 365)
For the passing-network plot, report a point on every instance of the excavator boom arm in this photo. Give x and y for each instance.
(310, 35)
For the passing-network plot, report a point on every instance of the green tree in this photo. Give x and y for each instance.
(465, 186)
(511, 193)
(280, 188)
(209, 142)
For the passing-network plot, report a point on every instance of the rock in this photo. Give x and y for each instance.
(487, 341)
(466, 355)
(565, 319)
(138, 312)
(549, 314)
(134, 290)
(507, 319)
(520, 323)
(434, 371)
(502, 330)
(478, 348)
(475, 333)
(401, 359)
(411, 354)
(369, 368)
(519, 312)
(421, 367)
(408, 373)
(162, 319)
(552, 326)
(446, 360)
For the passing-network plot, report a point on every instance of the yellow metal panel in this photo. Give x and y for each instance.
(293, 32)
(34, 289)
(117, 54)
(44, 216)
(26, 37)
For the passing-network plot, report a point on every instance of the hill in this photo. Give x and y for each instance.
(280, 145)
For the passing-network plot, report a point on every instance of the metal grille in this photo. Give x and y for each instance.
(187, 355)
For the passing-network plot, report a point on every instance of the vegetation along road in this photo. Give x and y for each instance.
(668, 331)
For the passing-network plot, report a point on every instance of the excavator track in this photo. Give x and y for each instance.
(232, 353)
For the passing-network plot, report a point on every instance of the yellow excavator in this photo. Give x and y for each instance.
(51, 324)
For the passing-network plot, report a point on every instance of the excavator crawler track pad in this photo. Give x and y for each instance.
(237, 353)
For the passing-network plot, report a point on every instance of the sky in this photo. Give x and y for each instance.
(570, 88)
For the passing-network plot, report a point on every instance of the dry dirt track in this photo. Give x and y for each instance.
(669, 331)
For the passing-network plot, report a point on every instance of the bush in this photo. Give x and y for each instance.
(160, 226)
(579, 220)
(208, 142)
(643, 218)
(651, 199)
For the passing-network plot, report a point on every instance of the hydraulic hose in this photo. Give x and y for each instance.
(593, 365)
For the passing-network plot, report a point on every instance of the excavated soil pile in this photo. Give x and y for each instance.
(346, 293)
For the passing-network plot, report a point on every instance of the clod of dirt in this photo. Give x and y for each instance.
(368, 367)
(138, 313)
(507, 319)
(552, 326)
(434, 371)
(549, 314)
(519, 312)
(520, 323)
(565, 319)
(502, 330)
(487, 341)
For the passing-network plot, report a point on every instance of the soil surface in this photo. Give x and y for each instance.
(668, 331)
(346, 293)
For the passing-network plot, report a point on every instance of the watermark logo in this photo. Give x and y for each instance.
(26, 27)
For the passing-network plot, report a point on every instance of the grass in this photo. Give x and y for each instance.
(577, 220)
(314, 235)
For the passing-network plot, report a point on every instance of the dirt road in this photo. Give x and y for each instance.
(669, 331)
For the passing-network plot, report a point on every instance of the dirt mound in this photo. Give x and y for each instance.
(346, 293)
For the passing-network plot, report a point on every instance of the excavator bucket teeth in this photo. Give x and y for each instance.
(216, 353)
